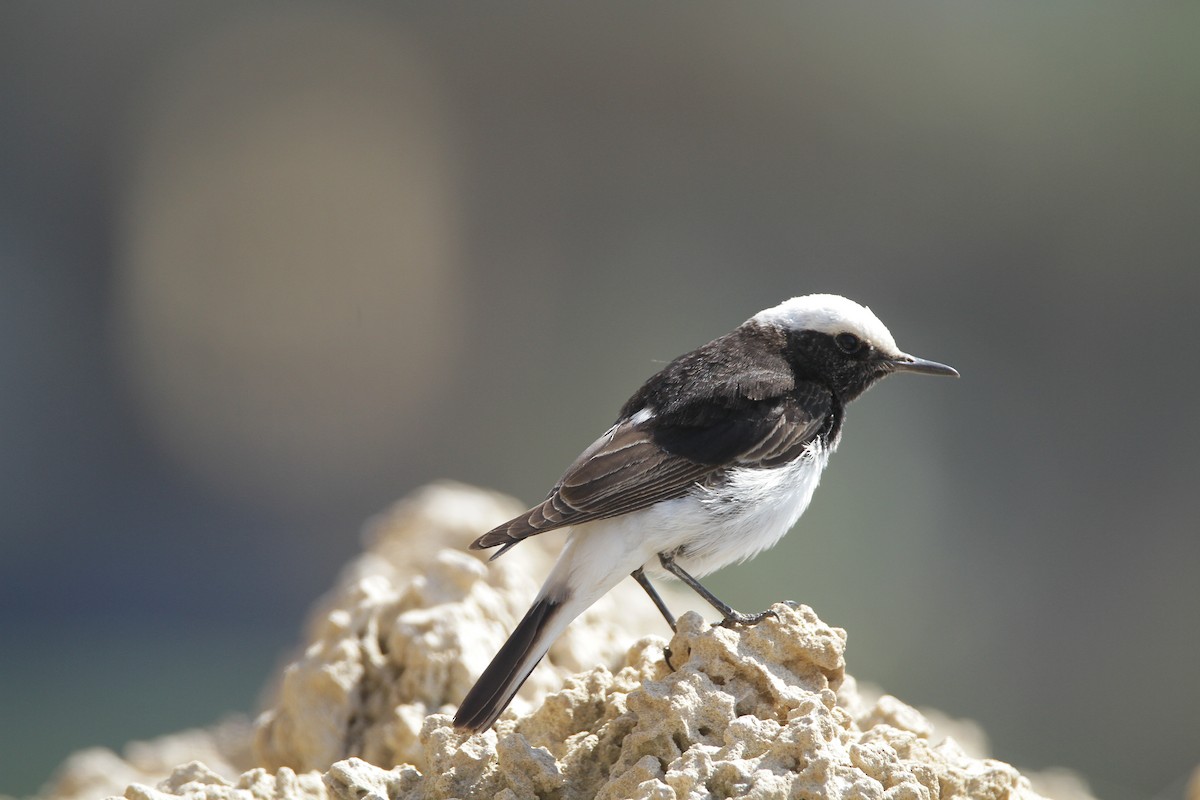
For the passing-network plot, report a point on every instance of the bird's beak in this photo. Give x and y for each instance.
(906, 363)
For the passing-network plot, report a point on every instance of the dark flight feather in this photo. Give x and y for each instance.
(495, 688)
(767, 419)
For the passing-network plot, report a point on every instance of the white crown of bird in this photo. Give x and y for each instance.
(832, 314)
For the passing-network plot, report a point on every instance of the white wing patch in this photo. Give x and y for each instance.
(642, 416)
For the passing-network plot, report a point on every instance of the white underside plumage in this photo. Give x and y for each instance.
(705, 530)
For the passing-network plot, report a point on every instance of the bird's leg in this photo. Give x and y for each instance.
(640, 576)
(731, 617)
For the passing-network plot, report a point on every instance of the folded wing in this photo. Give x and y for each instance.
(637, 464)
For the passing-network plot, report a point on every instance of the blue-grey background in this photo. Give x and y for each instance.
(266, 267)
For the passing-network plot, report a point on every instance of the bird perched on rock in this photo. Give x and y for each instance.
(710, 462)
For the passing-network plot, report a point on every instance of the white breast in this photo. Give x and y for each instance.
(752, 511)
(712, 527)
(706, 529)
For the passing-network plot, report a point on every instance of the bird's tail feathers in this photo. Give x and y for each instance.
(590, 565)
(496, 687)
(507, 546)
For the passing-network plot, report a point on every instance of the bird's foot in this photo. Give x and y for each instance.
(738, 618)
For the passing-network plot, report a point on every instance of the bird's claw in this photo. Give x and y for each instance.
(738, 618)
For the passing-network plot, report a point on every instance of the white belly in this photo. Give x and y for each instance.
(706, 530)
(751, 512)
(713, 527)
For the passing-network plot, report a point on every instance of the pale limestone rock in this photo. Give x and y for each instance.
(410, 625)
(97, 771)
(750, 712)
(764, 711)
(195, 780)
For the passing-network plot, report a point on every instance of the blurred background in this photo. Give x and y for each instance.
(268, 267)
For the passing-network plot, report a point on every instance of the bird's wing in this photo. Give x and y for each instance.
(635, 465)
(624, 470)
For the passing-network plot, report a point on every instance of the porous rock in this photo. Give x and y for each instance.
(763, 711)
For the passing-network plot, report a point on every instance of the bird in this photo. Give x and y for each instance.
(709, 463)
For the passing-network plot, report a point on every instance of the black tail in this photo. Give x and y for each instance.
(495, 688)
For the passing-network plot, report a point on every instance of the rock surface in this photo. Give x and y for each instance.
(766, 711)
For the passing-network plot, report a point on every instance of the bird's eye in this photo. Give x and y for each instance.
(848, 343)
